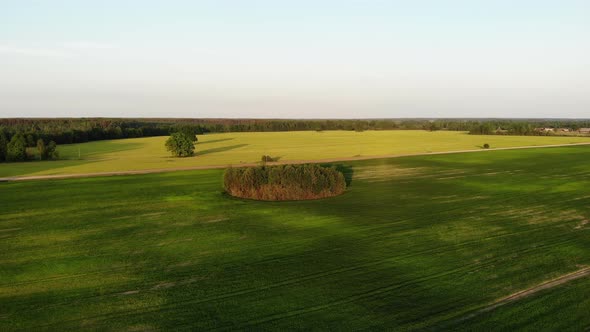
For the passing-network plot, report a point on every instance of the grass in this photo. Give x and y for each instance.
(415, 243)
(236, 148)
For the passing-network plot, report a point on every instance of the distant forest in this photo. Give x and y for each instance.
(79, 130)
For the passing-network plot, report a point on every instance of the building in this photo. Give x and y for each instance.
(584, 130)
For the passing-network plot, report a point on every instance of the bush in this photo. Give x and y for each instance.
(267, 159)
(284, 183)
(486, 146)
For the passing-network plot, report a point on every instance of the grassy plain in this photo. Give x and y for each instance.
(236, 148)
(415, 243)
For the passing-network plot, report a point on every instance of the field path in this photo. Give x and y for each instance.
(531, 291)
(175, 169)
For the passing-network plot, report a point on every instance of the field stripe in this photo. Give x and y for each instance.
(314, 161)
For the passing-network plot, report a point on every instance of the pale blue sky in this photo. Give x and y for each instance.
(295, 59)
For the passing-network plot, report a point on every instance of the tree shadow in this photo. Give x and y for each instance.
(220, 149)
(347, 170)
(91, 152)
(215, 141)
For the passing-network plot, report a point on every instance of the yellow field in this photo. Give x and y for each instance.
(236, 148)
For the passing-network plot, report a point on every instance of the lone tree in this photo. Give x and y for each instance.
(16, 150)
(181, 144)
(189, 131)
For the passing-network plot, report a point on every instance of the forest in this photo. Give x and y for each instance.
(80, 130)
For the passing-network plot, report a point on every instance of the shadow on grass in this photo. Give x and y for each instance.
(50, 167)
(215, 141)
(348, 172)
(220, 149)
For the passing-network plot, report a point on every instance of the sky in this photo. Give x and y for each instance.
(295, 59)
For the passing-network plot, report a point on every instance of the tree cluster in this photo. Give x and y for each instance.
(15, 149)
(47, 151)
(285, 182)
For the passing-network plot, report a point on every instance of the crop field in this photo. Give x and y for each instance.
(236, 148)
(426, 242)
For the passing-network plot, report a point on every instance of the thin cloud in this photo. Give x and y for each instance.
(34, 52)
(68, 49)
(88, 45)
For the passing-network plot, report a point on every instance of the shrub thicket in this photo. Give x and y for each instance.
(285, 182)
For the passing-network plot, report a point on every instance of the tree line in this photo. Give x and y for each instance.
(526, 127)
(71, 130)
(284, 182)
(81, 130)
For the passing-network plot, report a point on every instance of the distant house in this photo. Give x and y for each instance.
(584, 130)
(563, 130)
(544, 130)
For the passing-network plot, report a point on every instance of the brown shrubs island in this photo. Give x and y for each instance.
(284, 182)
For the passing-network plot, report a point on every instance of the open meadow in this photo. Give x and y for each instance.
(424, 242)
(237, 148)
(294, 166)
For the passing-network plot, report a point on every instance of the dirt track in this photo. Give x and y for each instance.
(545, 285)
(163, 170)
(531, 291)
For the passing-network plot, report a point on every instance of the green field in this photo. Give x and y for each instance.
(236, 148)
(415, 243)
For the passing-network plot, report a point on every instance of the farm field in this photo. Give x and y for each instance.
(236, 148)
(424, 242)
